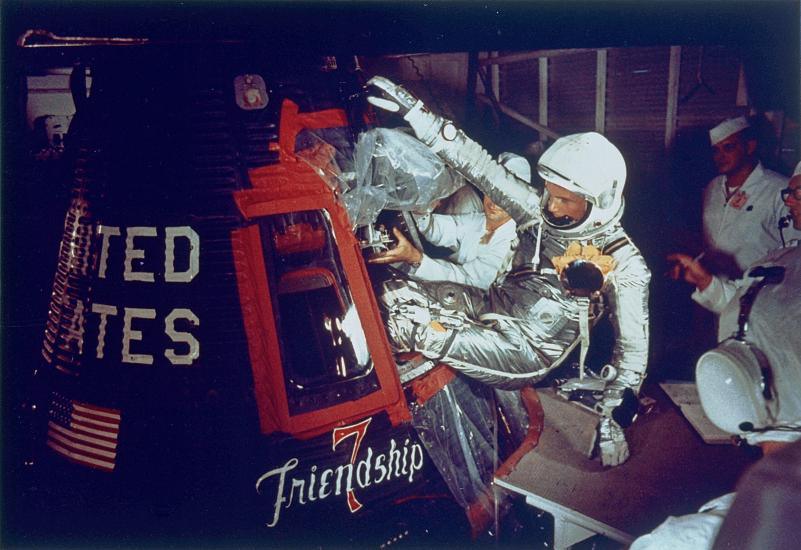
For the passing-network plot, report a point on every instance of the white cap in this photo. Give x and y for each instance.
(797, 170)
(728, 127)
(517, 165)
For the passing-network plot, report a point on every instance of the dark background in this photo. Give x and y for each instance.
(33, 209)
(768, 29)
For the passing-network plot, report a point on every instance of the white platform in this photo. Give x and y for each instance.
(671, 471)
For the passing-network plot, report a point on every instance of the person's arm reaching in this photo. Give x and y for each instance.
(480, 264)
(480, 268)
(711, 292)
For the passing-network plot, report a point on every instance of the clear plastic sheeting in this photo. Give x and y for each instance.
(387, 169)
(396, 169)
(330, 153)
(515, 416)
(458, 427)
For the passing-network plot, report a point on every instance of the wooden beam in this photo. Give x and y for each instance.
(521, 118)
(600, 92)
(480, 88)
(742, 88)
(495, 77)
(536, 54)
(543, 94)
(671, 112)
(496, 110)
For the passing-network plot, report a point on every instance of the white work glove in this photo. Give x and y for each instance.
(612, 443)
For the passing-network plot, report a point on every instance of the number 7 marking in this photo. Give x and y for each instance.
(339, 435)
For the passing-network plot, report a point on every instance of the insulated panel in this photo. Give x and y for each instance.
(571, 92)
(520, 87)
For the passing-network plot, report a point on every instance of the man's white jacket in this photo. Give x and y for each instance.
(479, 257)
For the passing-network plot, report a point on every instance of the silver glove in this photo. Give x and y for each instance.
(612, 443)
(614, 390)
(612, 399)
(396, 99)
(463, 154)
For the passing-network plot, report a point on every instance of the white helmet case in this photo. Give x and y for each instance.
(734, 385)
(589, 165)
(736, 380)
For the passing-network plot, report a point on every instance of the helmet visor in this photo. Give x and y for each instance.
(552, 176)
(561, 222)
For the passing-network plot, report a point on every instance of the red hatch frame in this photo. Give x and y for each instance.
(293, 186)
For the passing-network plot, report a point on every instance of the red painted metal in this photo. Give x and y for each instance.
(292, 186)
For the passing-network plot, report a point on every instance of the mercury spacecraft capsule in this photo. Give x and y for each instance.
(214, 365)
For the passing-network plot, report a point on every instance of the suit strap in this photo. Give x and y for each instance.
(615, 245)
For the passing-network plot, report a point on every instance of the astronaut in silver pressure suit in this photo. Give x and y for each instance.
(527, 324)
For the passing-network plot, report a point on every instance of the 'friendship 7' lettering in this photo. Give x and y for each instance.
(375, 468)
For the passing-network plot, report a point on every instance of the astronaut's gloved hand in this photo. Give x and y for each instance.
(612, 443)
(612, 399)
(397, 99)
(619, 400)
(393, 98)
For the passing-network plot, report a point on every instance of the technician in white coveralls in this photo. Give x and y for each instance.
(750, 386)
(742, 207)
(464, 200)
(525, 327)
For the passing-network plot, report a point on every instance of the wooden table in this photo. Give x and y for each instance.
(671, 471)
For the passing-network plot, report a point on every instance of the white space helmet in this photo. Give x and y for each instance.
(589, 165)
(735, 387)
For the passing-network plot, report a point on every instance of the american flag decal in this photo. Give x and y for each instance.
(83, 433)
